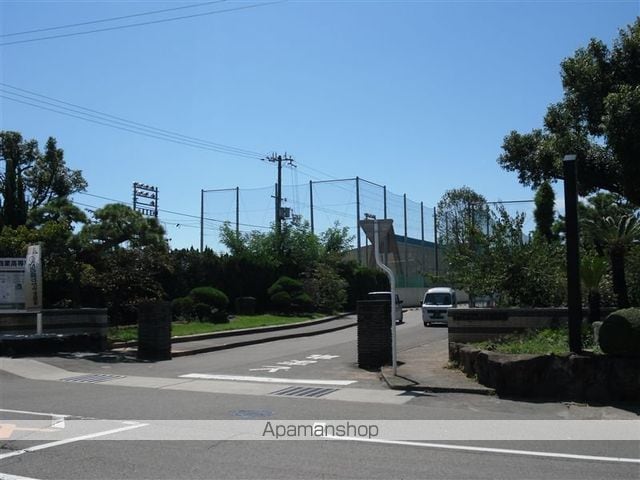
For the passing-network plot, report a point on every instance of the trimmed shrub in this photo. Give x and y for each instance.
(281, 300)
(303, 302)
(219, 316)
(211, 296)
(203, 312)
(245, 306)
(285, 284)
(183, 307)
(620, 332)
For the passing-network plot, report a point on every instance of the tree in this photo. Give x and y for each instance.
(544, 213)
(459, 211)
(592, 270)
(618, 235)
(598, 119)
(335, 241)
(520, 273)
(32, 179)
(130, 256)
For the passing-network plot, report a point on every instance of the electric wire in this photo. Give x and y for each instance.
(131, 130)
(132, 25)
(111, 19)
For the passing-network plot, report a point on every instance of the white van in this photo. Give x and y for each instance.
(436, 303)
(387, 296)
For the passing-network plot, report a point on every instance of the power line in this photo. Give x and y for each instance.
(186, 215)
(121, 120)
(111, 19)
(132, 129)
(152, 22)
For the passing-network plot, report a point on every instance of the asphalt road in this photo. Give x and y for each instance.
(155, 392)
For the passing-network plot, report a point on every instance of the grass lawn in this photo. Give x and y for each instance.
(178, 329)
(549, 340)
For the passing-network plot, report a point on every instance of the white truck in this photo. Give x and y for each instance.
(436, 304)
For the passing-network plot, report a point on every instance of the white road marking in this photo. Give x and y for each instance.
(7, 476)
(469, 448)
(241, 378)
(270, 369)
(40, 414)
(80, 438)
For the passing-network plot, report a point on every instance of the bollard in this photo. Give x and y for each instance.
(374, 333)
(154, 330)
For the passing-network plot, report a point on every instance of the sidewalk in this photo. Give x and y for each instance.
(211, 342)
(425, 368)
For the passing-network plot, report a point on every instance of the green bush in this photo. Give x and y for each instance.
(620, 332)
(285, 284)
(219, 316)
(281, 300)
(211, 296)
(303, 302)
(245, 306)
(183, 307)
(203, 312)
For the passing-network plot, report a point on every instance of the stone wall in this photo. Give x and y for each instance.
(596, 378)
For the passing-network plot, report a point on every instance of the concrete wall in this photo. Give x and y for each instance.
(63, 321)
(411, 297)
(477, 324)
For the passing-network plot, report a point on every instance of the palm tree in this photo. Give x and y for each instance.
(592, 269)
(618, 234)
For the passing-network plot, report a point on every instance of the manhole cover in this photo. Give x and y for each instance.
(252, 413)
(92, 378)
(304, 392)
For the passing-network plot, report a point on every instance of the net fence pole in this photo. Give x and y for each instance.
(358, 219)
(238, 211)
(406, 250)
(201, 220)
(311, 205)
(424, 264)
(435, 239)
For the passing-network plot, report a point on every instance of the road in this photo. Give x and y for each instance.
(207, 396)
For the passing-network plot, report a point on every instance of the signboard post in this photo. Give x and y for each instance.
(33, 283)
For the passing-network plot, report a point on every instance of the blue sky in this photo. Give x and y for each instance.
(416, 96)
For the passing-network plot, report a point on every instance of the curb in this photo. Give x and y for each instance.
(257, 341)
(243, 331)
(408, 385)
(254, 341)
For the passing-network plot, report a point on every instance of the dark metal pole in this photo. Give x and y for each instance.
(385, 201)
(406, 248)
(311, 204)
(358, 218)
(201, 220)
(237, 210)
(422, 237)
(435, 238)
(279, 199)
(573, 253)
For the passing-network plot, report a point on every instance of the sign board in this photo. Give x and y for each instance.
(12, 283)
(33, 278)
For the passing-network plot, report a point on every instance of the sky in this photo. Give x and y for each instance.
(413, 95)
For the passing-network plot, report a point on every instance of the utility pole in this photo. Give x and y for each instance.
(273, 158)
